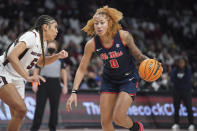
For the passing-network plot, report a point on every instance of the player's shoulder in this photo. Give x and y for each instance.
(124, 36)
(90, 46)
(90, 43)
(124, 33)
(29, 35)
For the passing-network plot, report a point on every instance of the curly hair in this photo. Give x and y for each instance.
(114, 16)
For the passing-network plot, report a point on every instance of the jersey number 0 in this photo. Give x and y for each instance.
(114, 63)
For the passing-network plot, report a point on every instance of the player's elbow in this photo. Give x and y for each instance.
(12, 57)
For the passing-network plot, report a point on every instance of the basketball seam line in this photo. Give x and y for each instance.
(157, 69)
(152, 70)
(145, 70)
(158, 74)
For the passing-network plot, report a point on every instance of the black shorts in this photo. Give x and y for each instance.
(128, 84)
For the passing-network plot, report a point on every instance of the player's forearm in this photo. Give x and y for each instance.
(137, 54)
(36, 71)
(78, 78)
(139, 57)
(48, 60)
(64, 77)
(14, 61)
(51, 59)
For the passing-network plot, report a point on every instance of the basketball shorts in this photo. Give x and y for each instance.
(6, 77)
(128, 84)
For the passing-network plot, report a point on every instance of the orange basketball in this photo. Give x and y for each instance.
(150, 70)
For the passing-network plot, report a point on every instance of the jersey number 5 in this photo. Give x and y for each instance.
(32, 63)
(114, 63)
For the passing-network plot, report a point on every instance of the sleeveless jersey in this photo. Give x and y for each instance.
(30, 55)
(118, 62)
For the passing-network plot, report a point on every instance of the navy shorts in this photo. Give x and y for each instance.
(128, 84)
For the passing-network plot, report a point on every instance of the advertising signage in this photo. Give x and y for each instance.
(153, 111)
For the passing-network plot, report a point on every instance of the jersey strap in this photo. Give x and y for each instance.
(97, 42)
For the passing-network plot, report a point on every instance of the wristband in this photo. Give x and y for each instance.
(75, 91)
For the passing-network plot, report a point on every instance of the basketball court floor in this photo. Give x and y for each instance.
(118, 130)
(115, 130)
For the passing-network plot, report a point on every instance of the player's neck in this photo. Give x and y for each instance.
(106, 39)
(44, 37)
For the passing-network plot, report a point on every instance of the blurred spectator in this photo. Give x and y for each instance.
(181, 77)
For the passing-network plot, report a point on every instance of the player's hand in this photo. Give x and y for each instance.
(63, 54)
(36, 78)
(65, 90)
(156, 60)
(73, 97)
(159, 63)
(35, 86)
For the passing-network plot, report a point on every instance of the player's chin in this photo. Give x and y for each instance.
(52, 38)
(101, 34)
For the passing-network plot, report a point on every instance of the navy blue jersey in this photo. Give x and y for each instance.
(118, 62)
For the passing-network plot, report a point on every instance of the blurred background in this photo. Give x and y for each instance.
(162, 29)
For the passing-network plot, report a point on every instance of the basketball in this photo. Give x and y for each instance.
(150, 70)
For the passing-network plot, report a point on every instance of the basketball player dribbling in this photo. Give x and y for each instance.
(27, 50)
(120, 78)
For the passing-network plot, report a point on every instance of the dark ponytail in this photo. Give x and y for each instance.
(42, 45)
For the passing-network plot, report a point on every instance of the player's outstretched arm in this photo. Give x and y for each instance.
(50, 59)
(65, 81)
(89, 49)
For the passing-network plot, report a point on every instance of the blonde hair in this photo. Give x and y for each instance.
(113, 26)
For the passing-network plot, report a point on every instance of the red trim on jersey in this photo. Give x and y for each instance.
(34, 33)
(137, 84)
(104, 44)
(121, 39)
(4, 80)
(131, 94)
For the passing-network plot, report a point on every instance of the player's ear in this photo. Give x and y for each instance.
(44, 27)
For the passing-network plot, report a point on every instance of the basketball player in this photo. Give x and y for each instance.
(18, 59)
(120, 78)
